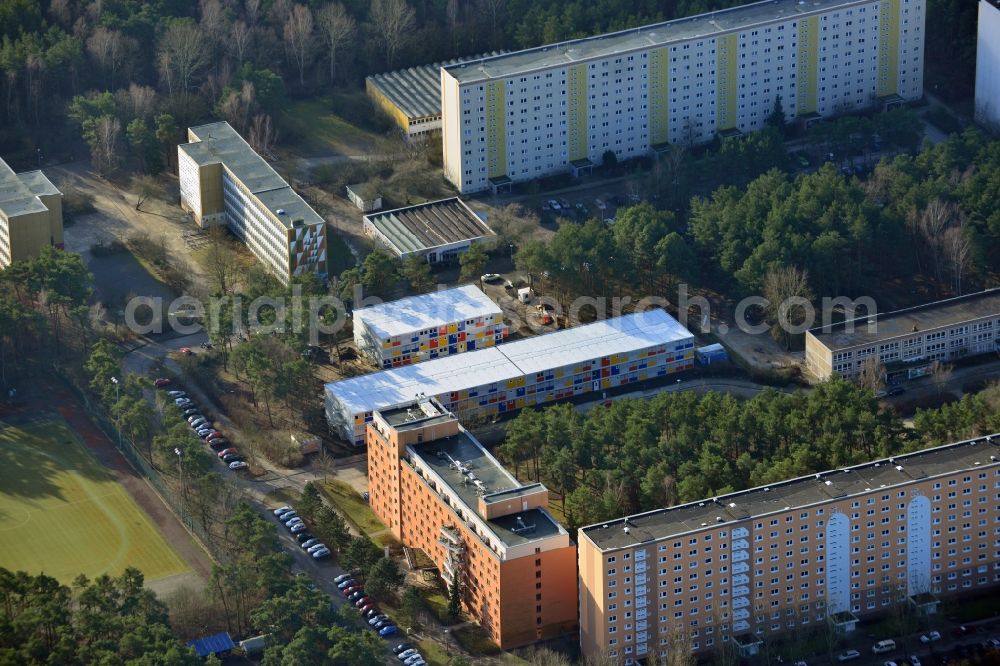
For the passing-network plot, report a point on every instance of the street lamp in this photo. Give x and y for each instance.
(118, 425)
(180, 470)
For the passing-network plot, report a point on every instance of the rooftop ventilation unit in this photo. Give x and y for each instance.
(522, 528)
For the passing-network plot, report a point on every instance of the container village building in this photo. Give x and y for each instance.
(428, 326)
(532, 371)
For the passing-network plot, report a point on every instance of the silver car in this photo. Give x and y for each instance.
(315, 547)
(239, 464)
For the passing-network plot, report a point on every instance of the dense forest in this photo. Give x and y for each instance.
(638, 455)
(240, 59)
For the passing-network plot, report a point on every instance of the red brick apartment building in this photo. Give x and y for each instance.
(830, 547)
(437, 489)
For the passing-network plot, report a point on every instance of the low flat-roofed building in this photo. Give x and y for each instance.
(786, 557)
(428, 326)
(938, 331)
(412, 97)
(30, 214)
(223, 180)
(484, 383)
(438, 230)
(437, 489)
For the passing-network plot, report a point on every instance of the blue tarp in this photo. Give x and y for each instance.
(214, 644)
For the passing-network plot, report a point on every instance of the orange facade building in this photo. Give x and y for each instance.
(437, 489)
(833, 548)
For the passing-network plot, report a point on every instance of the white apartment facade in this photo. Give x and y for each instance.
(534, 113)
(224, 181)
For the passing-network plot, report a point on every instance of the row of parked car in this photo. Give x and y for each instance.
(202, 426)
(355, 593)
(287, 516)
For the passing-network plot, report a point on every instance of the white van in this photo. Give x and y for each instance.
(882, 647)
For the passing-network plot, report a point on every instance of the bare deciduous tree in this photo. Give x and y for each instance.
(183, 56)
(252, 10)
(213, 22)
(494, 9)
(941, 375)
(138, 101)
(787, 291)
(299, 38)
(263, 136)
(392, 21)
(238, 107)
(108, 49)
(240, 38)
(957, 249)
(338, 29)
(871, 374)
(934, 219)
(222, 257)
(107, 135)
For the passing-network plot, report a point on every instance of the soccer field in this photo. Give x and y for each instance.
(63, 514)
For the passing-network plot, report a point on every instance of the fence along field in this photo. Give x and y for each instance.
(63, 514)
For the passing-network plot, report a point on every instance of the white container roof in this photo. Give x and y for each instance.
(460, 372)
(416, 313)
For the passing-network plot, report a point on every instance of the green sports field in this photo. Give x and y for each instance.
(63, 514)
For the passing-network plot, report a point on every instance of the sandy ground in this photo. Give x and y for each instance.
(117, 218)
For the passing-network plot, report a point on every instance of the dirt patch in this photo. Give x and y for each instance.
(140, 491)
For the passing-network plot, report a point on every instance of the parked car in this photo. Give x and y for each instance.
(310, 543)
(215, 435)
(363, 601)
(315, 546)
(294, 522)
(375, 619)
(382, 623)
(402, 647)
(491, 277)
(848, 655)
(883, 646)
(387, 631)
(186, 351)
(415, 660)
(296, 528)
(177, 394)
(217, 444)
(367, 607)
(161, 382)
(282, 509)
(226, 452)
(205, 432)
(889, 663)
(346, 583)
(232, 457)
(322, 553)
(930, 637)
(993, 643)
(191, 411)
(406, 654)
(288, 515)
(914, 661)
(239, 464)
(341, 578)
(354, 596)
(183, 401)
(961, 630)
(302, 537)
(350, 589)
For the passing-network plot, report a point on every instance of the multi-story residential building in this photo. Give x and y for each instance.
(437, 489)
(437, 231)
(829, 547)
(428, 326)
(224, 181)
(938, 331)
(556, 108)
(30, 215)
(988, 64)
(486, 382)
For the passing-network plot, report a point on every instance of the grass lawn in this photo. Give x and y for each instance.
(357, 512)
(973, 609)
(475, 641)
(323, 131)
(63, 514)
(338, 255)
(433, 653)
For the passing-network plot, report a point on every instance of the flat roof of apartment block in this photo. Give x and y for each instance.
(416, 91)
(878, 475)
(429, 225)
(460, 462)
(650, 36)
(460, 372)
(19, 192)
(220, 143)
(928, 316)
(409, 316)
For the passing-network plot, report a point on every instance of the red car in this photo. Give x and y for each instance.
(226, 452)
(213, 436)
(351, 590)
(162, 382)
(367, 607)
(186, 351)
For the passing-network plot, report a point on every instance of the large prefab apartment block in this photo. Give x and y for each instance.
(533, 371)
(30, 215)
(988, 64)
(438, 231)
(940, 331)
(816, 553)
(557, 108)
(224, 181)
(428, 326)
(438, 490)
